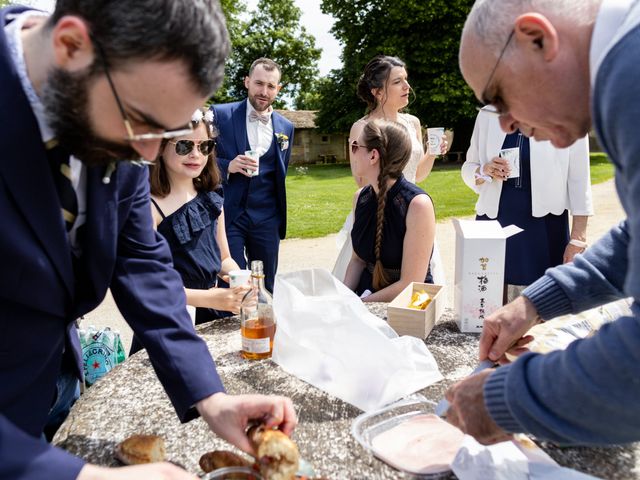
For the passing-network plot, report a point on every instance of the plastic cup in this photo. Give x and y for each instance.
(435, 135)
(238, 278)
(256, 156)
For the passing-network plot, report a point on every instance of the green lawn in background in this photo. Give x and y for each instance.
(320, 199)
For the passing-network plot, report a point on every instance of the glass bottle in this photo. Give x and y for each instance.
(258, 323)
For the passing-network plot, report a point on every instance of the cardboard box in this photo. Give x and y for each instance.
(479, 274)
(409, 321)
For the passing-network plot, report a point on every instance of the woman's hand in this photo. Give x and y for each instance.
(444, 145)
(498, 169)
(228, 299)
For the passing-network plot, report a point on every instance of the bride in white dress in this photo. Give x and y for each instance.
(385, 88)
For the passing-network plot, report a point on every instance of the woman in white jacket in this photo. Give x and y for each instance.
(533, 185)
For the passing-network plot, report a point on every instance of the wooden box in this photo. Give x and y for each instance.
(409, 321)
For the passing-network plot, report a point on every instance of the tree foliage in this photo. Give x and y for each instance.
(273, 30)
(424, 34)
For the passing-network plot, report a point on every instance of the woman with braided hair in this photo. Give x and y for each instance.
(384, 88)
(394, 220)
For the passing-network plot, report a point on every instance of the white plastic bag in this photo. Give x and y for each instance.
(328, 338)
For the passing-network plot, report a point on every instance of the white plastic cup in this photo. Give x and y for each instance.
(238, 278)
(435, 135)
(256, 156)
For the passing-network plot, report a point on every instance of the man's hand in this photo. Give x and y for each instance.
(468, 413)
(505, 328)
(155, 471)
(242, 164)
(229, 415)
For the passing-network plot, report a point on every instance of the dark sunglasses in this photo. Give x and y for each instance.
(355, 147)
(184, 147)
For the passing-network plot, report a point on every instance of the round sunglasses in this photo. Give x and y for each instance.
(184, 147)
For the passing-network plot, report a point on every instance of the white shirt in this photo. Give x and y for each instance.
(560, 177)
(260, 134)
(615, 18)
(78, 170)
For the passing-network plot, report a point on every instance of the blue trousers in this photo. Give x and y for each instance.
(67, 392)
(249, 241)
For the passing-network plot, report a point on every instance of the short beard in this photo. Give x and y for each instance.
(65, 100)
(253, 104)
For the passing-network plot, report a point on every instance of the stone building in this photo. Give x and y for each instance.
(311, 146)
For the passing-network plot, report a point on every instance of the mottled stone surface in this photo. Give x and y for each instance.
(131, 400)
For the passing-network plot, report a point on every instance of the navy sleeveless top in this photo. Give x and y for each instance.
(363, 234)
(191, 234)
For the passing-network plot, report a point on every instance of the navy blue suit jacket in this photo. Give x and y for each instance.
(39, 299)
(230, 119)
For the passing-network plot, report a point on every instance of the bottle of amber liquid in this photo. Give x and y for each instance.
(258, 324)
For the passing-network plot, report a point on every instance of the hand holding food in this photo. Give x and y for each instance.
(276, 454)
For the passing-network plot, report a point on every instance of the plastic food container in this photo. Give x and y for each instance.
(369, 425)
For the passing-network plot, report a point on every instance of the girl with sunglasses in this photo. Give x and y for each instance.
(384, 87)
(394, 220)
(187, 201)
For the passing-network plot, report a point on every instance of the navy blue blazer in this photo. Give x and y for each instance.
(230, 120)
(39, 296)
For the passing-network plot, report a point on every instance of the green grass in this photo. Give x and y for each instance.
(319, 201)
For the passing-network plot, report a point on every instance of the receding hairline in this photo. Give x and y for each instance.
(267, 64)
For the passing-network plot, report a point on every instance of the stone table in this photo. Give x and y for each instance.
(131, 400)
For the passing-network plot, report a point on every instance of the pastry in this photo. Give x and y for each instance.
(277, 456)
(138, 449)
(221, 458)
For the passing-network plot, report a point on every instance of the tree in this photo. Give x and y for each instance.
(424, 34)
(273, 30)
(312, 98)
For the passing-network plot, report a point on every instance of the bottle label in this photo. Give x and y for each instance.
(255, 345)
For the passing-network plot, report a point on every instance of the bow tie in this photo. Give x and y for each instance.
(259, 117)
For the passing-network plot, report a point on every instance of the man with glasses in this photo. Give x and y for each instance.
(551, 68)
(253, 156)
(83, 91)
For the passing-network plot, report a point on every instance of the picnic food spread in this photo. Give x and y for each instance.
(277, 455)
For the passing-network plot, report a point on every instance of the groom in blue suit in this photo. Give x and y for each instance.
(76, 217)
(255, 200)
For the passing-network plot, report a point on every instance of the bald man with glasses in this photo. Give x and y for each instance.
(551, 69)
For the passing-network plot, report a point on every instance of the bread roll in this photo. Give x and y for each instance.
(277, 454)
(139, 449)
(211, 461)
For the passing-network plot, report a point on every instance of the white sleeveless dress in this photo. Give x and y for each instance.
(343, 239)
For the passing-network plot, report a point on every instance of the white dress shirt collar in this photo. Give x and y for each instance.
(607, 31)
(260, 135)
(14, 41)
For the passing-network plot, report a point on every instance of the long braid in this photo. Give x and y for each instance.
(393, 144)
(380, 277)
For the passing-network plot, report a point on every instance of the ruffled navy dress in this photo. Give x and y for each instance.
(542, 243)
(363, 233)
(191, 234)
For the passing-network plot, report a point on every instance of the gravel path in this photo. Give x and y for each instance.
(299, 254)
